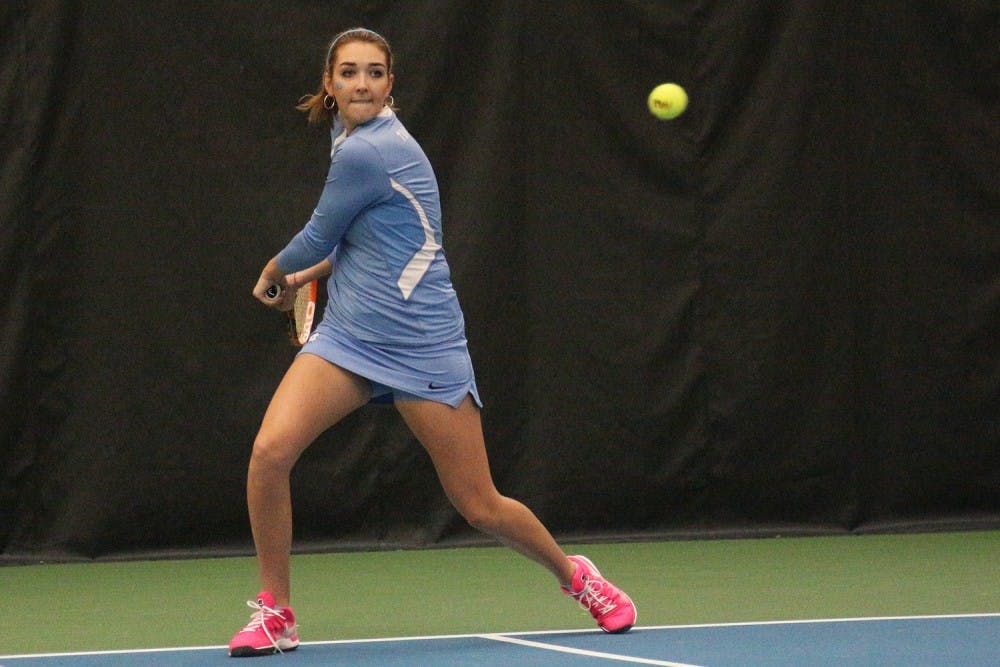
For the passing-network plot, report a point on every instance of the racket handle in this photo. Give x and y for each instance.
(273, 292)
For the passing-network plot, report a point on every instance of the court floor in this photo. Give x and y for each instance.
(966, 640)
(852, 600)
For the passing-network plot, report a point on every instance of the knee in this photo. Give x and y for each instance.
(271, 455)
(483, 514)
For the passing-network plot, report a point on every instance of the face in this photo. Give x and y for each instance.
(360, 81)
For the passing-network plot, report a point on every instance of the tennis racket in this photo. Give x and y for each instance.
(302, 314)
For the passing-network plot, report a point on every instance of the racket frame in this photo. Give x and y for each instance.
(303, 313)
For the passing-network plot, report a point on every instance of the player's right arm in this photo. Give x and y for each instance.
(270, 277)
(357, 180)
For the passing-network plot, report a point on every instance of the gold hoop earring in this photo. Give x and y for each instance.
(329, 102)
(389, 101)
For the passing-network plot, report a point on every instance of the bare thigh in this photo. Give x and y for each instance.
(313, 396)
(454, 439)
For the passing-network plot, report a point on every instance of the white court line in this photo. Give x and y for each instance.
(863, 619)
(579, 651)
(122, 651)
(859, 619)
(638, 628)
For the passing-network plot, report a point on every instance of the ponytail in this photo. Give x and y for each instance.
(315, 108)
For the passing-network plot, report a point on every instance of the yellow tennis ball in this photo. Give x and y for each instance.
(667, 100)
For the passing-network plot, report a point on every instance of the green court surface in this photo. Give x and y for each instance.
(164, 603)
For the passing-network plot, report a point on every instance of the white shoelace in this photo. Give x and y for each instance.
(258, 621)
(592, 597)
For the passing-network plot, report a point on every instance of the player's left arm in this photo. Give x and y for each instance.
(305, 276)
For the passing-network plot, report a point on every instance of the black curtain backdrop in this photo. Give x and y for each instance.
(779, 313)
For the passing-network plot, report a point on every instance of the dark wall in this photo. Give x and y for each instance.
(779, 312)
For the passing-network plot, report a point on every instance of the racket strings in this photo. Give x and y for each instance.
(301, 306)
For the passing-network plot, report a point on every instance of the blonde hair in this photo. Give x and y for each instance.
(315, 105)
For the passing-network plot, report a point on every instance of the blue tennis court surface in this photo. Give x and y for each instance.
(967, 640)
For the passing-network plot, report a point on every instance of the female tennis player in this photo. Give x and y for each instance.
(392, 329)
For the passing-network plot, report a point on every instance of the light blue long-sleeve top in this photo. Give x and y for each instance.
(381, 210)
(392, 315)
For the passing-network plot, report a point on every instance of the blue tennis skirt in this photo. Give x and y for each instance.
(441, 372)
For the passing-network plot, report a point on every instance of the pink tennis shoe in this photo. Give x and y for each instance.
(608, 604)
(270, 630)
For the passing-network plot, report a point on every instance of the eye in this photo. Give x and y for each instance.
(376, 74)
(347, 73)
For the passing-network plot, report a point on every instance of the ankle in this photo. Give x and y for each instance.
(568, 574)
